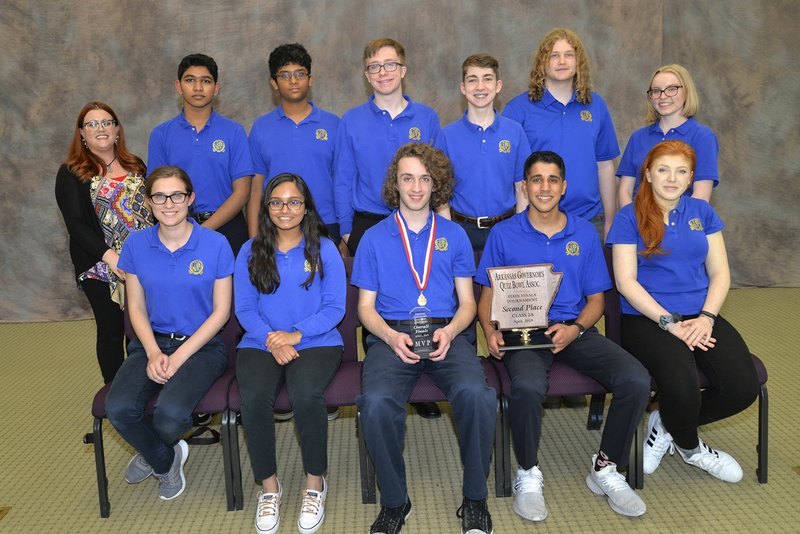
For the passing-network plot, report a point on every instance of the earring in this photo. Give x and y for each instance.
(84, 143)
(116, 139)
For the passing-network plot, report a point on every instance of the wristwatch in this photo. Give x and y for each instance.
(581, 329)
(665, 320)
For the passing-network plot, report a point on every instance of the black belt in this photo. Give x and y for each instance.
(371, 216)
(409, 322)
(176, 337)
(481, 222)
(201, 216)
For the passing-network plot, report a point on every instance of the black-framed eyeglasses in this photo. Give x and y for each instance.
(390, 66)
(105, 123)
(670, 90)
(178, 197)
(293, 205)
(299, 75)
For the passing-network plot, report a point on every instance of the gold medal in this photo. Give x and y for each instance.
(422, 301)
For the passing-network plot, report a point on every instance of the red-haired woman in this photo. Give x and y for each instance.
(671, 268)
(99, 189)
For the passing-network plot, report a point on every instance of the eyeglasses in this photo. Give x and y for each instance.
(299, 75)
(176, 198)
(105, 123)
(293, 205)
(670, 90)
(391, 66)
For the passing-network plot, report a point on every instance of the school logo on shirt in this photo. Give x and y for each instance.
(322, 134)
(307, 267)
(573, 249)
(504, 146)
(440, 244)
(414, 134)
(196, 267)
(586, 115)
(218, 146)
(696, 224)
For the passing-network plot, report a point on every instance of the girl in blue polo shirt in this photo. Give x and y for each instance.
(672, 270)
(290, 295)
(672, 104)
(179, 288)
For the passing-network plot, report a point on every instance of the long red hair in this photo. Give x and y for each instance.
(84, 164)
(649, 215)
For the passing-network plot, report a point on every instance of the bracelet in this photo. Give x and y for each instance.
(708, 314)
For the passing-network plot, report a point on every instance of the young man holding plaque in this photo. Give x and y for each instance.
(414, 270)
(546, 235)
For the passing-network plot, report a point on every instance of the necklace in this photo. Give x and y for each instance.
(108, 165)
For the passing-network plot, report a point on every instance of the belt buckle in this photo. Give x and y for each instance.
(176, 337)
(478, 222)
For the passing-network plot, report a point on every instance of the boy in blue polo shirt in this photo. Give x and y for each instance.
(561, 113)
(487, 151)
(211, 148)
(414, 272)
(297, 137)
(545, 234)
(370, 134)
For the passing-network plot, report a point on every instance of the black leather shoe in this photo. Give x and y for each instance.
(428, 410)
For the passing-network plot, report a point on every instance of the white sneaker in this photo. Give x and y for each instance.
(716, 463)
(268, 511)
(656, 444)
(312, 509)
(621, 498)
(529, 495)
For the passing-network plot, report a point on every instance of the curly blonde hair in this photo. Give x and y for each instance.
(581, 81)
(436, 163)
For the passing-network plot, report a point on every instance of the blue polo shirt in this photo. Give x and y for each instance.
(366, 142)
(487, 164)
(582, 134)
(691, 132)
(380, 265)
(575, 251)
(677, 280)
(314, 311)
(279, 145)
(213, 158)
(178, 286)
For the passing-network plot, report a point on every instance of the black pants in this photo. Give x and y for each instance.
(235, 231)
(728, 366)
(110, 343)
(260, 379)
(362, 222)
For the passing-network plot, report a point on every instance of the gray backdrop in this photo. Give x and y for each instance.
(742, 53)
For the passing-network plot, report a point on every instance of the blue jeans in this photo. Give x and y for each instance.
(595, 356)
(387, 383)
(155, 436)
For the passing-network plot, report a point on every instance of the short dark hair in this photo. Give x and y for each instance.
(286, 54)
(481, 60)
(435, 162)
(168, 171)
(545, 156)
(198, 60)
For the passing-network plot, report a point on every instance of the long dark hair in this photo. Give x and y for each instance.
(261, 265)
(83, 163)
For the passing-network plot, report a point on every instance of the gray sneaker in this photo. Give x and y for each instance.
(138, 469)
(172, 484)
(529, 495)
(621, 498)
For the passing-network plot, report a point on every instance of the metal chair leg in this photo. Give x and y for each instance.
(96, 439)
(367, 467)
(763, 435)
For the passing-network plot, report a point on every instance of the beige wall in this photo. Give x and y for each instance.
(743, 55)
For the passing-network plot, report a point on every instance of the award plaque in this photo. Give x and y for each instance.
(521, 300)
(422, 333)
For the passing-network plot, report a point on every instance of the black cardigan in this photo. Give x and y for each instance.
(86, 242)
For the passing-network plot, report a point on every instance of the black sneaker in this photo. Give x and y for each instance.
(475, 517)
(391, 520)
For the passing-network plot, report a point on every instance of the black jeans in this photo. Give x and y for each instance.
(728, 366)
(260, 379)
(361, 223)
(594, 356)
(235, 231)
(108, 318)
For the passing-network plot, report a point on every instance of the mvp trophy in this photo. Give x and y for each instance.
(521, 300)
